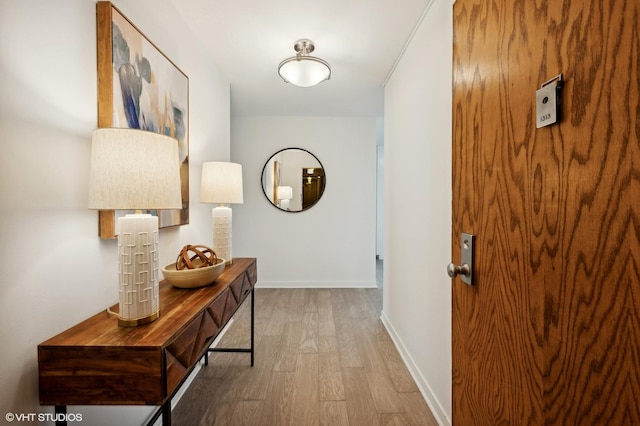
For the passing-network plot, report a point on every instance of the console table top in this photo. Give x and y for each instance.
(177, 307)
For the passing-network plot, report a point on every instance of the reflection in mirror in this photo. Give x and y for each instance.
(293, 179)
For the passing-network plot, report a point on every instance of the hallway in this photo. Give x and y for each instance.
(322, 358)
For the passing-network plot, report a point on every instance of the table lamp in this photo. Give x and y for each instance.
(135, 170)
(284, 194)
(221, 183)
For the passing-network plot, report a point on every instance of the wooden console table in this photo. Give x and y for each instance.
(97, 362)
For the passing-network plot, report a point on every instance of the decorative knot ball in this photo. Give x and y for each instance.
(190, 253)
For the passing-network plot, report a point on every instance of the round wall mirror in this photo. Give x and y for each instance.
(293, 179)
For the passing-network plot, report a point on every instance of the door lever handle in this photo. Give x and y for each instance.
(466, 269)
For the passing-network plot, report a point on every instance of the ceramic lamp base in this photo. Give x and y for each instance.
(138, 269)
(222, 218)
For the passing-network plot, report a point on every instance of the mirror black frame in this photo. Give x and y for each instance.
(263, 182)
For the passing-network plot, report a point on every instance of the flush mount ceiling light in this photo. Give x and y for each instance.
(304, 70)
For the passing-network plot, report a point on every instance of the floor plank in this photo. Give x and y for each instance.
(381, 387)
(398, 372)
(333, 413)
(305, 402)
(309, 336)
(247, 413)
(259, 379)
(393, 420)
(361, 409)
(193, 408)
(326, 325)
(416, 410)
(286, 357)
(330, 380)
(277, 405)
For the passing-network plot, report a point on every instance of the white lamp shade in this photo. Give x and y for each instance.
(304, 72)
(221, 183)
(134, 169)
(284, 193)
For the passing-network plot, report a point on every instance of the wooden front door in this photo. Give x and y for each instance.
(550, 333)
(312, 186)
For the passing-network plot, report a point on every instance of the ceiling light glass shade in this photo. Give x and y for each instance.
(304, 70)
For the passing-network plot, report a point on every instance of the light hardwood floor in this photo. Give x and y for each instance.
(322, 358)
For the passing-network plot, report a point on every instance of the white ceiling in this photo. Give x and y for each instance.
(361, 40)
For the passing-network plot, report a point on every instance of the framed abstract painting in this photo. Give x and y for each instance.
(139, 87)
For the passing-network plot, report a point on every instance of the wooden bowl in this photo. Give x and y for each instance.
(193, 278)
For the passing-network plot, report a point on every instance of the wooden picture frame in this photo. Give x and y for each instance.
(276, 180)
(140, 87)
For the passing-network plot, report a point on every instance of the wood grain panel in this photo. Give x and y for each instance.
(496, 324)
(592, 305)
(183, 345)
(86, 375)
(106, 218)
(549, 335)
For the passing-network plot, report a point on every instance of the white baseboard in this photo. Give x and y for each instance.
(316, 284)
(423, 386)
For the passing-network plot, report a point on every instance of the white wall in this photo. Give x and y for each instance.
(331, 244)
(55, 270)
(417, 292)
